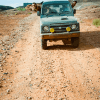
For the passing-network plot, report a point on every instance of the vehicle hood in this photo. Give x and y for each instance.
(64, 19)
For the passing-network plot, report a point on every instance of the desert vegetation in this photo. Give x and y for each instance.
(96, 22)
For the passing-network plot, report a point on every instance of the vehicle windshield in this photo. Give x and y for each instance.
(56, 9)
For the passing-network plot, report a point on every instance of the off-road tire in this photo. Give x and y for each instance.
(44, 43)
(75, 42)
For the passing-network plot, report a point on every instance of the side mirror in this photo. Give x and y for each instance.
(74, 11)
(38, 13)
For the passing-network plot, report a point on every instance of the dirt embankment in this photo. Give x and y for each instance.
(60, 73)
(12, 26)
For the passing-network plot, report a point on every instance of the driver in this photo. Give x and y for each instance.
(47, 9)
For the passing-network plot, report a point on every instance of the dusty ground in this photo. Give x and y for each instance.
(60, 73)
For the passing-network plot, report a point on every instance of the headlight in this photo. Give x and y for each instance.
(52, 30)
(46, 28)
(68, 29)
(73, 26)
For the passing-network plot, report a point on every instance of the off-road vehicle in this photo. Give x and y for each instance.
(57, 22)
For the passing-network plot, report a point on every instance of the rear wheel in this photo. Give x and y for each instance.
(75, 42)
(43, 44)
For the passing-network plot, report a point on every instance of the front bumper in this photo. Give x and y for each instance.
(60, 35)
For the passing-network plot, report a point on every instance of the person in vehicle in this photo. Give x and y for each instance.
(74, 3)
(36, 7)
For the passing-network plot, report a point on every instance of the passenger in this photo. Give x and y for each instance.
(74, 3)
(35, 6)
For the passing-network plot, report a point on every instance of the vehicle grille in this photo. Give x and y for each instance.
(60, 28)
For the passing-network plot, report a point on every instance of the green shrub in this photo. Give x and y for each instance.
(96, 22)
(81, 21)
(15, 13)
(29, 13)
(21, 9)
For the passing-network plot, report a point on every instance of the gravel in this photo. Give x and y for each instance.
(8, 42)
(8, 91)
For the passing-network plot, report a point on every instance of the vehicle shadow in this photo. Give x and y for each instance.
(88, 40)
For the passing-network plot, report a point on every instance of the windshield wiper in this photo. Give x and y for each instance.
(64, 12)
(51, 14)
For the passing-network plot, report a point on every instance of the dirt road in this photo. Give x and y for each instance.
(58, 73)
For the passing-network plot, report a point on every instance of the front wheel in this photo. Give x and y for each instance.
(75, 42)
(43, 44)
